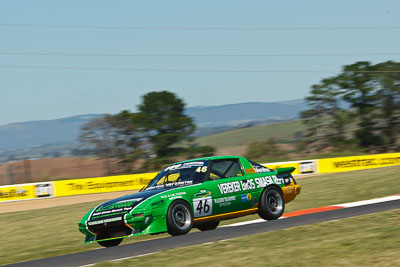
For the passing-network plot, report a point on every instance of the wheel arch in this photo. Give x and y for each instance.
(271, 185)
(168, 205)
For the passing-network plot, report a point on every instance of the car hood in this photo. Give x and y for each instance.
(122, 205)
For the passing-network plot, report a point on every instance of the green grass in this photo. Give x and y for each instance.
(281, 131)
(368, 240)
(49, 232)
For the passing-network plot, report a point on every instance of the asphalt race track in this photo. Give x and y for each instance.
(222, 233)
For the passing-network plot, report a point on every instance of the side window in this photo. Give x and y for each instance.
(225, 169)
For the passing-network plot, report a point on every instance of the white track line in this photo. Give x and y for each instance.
(127, 258)
(244, 223)
(368, 202)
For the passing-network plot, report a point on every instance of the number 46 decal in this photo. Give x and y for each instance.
(202, 206)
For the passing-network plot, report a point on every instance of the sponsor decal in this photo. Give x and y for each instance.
(263, 181)
(14, 193)
(307, 167)
(184, 165)
(26, 191)
(114, 209)
(110, 213)
(249, 184)
(177, 184)
(43, 190)
(90, 223)
(202, 206)
(225, 201)
(202, 193)
(118, 205)
(246, 197)
(249, 171)
(230, 187)
(173, 195)
(261, 169)
(344, 164)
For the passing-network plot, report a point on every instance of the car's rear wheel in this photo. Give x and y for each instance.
(110, 243)
(207, 226)
(179, 218)
(271, 205)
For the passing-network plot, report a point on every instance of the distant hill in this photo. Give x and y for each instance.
(283, 131)
(38, 133)
(243, 113)
(59, 137)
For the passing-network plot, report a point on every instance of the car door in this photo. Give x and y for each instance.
(226, 181)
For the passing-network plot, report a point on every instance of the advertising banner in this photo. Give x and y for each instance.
(102, 184)
(302, 167)
(26, 191)
(345, 164)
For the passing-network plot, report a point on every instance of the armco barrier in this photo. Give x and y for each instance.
(302, 167)
(102, 184)
(355, 163)
(26, 191)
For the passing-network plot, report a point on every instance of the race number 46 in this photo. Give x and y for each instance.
(202, 206)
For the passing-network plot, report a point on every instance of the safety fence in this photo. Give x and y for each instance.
(137, 181)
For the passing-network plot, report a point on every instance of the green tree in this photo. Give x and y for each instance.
(98, 136)
(261, 149)
(373, 92)
(388, 83)
(129, 138)
(325, 119)
(358, 82)
(161, 116)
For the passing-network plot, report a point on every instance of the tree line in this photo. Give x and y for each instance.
(158, 131)
(360, 106)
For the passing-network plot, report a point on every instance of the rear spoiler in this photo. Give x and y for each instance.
(285, 170)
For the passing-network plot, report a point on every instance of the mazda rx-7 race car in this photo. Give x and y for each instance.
(195, 193)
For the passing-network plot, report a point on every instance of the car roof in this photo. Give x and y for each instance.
(210, 158)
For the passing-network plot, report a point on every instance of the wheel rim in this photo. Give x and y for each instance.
(274, 202)
(181, 216)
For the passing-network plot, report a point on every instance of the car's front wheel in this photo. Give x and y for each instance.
(179, 218)
(271, 205)
(207, 226)
(110, 243)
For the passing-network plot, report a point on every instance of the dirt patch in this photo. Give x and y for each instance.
(58, 201)
(50, 169)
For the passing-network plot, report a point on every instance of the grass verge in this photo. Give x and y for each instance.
(285, 131)
(368, 240)
(49, 232)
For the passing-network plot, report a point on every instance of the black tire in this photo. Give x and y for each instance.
(207, 226)
(271, 205)
(110, 243)
(179, 218)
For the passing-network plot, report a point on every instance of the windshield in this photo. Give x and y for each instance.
(181, 174)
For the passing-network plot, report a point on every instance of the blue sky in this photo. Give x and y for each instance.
(48, 93)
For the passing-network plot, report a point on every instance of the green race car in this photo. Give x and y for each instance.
(194, 193)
